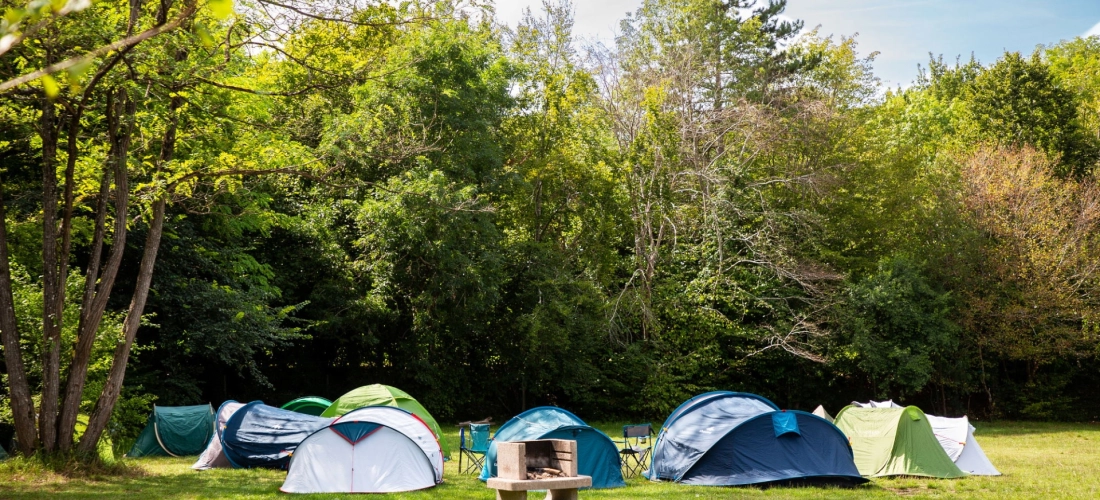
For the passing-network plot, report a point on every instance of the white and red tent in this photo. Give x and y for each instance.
(375, 449)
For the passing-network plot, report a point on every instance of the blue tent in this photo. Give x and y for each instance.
(729, 438)
(597, 455)
(258, 435)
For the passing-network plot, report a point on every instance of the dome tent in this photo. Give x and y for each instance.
(257, 435)
(728, 438)
(376, 449)
(894, 442)
(384, 395)
(214, 455)
(310, 405)
(956, 436)
(597, 455)
(175, 431)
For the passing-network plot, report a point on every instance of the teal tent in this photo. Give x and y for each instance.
(310, 405)
(175, 431)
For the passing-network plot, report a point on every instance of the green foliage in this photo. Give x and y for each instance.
(1018, 101)
(493, 218)
(899, 328)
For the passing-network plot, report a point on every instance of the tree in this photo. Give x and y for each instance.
(167, 144)
(1018, 101)
(899, 328)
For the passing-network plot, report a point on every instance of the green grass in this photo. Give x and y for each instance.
(1039, 460)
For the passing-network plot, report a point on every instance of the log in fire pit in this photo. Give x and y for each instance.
(545, 464)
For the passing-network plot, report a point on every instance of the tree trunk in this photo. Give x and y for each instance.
(111, 390)
(109, 396)
(51, 282)
(22, 405)
(120, 114)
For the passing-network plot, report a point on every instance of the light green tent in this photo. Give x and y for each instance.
(310, 405)
(384, 395)
(895, 442)
(175, 431)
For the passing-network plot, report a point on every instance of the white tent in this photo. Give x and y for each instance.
(820, 411)
(376, 449)
(956, 435)
(213, 456)
(889, 403)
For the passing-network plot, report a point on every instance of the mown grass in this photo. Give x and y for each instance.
(1039, 460)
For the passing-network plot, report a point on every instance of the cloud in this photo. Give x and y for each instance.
(1094, 31)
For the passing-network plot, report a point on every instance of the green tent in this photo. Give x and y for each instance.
(384, 395)
(895, 442)
(310, 405)
(175, 431)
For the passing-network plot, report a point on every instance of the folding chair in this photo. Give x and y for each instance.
(634, 457)
(475, 452)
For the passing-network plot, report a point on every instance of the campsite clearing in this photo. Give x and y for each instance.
(1039, 460)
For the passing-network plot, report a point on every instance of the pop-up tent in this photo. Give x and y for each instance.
(175, 431)
(384, 395)
(729, 438)
(377, 449)
(310, 405)
(214, 456)
(820, 411)
(597, 455)
(895, 442)
(956, 436)
(257, 435)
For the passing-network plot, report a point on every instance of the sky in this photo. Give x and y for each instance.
(904, 32)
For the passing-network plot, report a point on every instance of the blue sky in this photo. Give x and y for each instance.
(902, 31)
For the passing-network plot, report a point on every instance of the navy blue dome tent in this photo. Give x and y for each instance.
(597, 455)
(258, 435)
(729, 438)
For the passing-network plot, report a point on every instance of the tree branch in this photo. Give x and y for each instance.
(187, 11)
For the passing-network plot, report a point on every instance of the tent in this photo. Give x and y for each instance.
(384, 395)
(956, 436)
(820, 411)
(729, 438)
(377, 449)
(895, 442)
(175, 431)
(597, 455)
(214, 456)
(257, 435)
(310, 405)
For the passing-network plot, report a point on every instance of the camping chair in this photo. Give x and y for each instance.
(635, 454)
(475, 452)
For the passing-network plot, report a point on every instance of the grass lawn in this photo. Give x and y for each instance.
(1039, 460)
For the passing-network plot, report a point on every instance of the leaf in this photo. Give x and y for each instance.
(77, 5)
(77, 70)
(50, 86)
(221, 9)
(203, 34)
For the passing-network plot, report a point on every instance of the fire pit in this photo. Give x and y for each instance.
(545, 464)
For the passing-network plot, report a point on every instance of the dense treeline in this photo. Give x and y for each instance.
(494, 218)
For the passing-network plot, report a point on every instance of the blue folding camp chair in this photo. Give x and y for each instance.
(475, 452)
(634, 456)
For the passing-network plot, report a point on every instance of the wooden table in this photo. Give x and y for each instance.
(558, 488)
